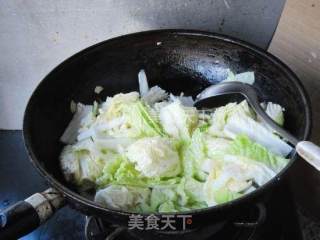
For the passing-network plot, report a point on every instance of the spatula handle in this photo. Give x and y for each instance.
(310, 152)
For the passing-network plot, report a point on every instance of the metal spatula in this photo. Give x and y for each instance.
(307, 150)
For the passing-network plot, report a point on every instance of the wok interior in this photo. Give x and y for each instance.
(177, 62)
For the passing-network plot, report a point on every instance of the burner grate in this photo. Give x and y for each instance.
(276, 220)
(98, 230)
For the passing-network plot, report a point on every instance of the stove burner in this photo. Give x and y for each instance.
(276, 219)
(96, 229)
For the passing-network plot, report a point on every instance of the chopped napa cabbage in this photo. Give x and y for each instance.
(109, 170)
(156, 153)
(245, 77)
(122, 197)
(100, 129)
(243, 146)
(149, 120)
(198, 148)
(83, 116)
(256, 132)
(183, 196)
(122, 172)
(143, 83)
(222, 115)
(154, 157)
(192, 154)
(82, 163)
(118, 144)
(73, 106)
(177, 120)
(216, 148)
(114, 105)
(138, 121)
(223, 195)
(257, 171)
(193, 189)
(232, 177)
(70, 164)
(275, 112)
(154, 95)
(165, 197)
(204, 127)
(184, 100)
(98, 89)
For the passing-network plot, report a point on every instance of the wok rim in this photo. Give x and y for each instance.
(74, 196)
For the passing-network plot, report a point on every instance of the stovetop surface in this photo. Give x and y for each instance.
(18, 180)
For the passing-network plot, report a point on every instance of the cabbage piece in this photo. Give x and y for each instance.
(111, 120)
(82, 163)
(275, 112)
(70, 164)
(90, 168)
(184, 100)
(204, 127)
(101, 129)
(91, 160)
(167, 207)
(83, 116)
(138, 120)
(143, 82)
(113, 107)
(245, 77)
(177, 120)
(122, 197)
(232, 177)
(235, 165)
(257, 132)
(164, 198)
(116, 144)
(225, 195)
(198, 146)
(193, 189)
(98, 89)
(222, 115)
(183, 196)
(154, 157)
(216, 148)
(149, 119)
(243, 146)
(123, 172)
(192, 154)
(154, 95)
(109, 170)
(249, 169)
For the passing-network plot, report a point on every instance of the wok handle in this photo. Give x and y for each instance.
(25, 216)
(310, 152)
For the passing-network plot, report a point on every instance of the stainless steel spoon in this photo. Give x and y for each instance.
(307, 150)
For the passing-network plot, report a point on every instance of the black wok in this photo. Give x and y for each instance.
(176, 60)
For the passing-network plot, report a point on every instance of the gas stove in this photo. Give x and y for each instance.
(276, 220)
